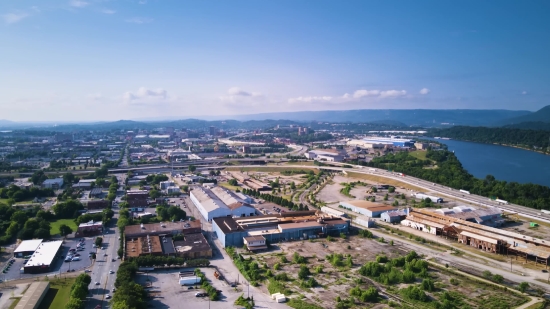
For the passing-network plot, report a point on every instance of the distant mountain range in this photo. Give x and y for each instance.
(418, 118)
(410, 117)
(540, 116)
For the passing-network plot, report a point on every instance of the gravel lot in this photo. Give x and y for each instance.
(169, 294)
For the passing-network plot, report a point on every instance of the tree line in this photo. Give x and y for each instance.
(530, 139)
(128, 293)
(449, 172)
(275, 199)
(79, 291)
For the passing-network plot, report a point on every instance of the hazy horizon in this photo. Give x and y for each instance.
(96, 60)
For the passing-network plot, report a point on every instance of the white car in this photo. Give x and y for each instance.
(96, 283)
(107, 296)
(76, 258)
(111, 271)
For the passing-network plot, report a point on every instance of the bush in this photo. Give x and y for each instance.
(413, 293)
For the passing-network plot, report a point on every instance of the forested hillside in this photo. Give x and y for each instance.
(529, 139)
(449, 172)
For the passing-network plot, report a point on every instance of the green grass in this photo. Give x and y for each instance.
(15, 302)
(421, 155)
(58, 294)
(54, 226)
(230, 187)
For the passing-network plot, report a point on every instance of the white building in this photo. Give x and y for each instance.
(55, 183)
(27, 247)
(208, 204)
(165, 184)
(324, 155)
(173, 190)
(238, 207)
(219, 202)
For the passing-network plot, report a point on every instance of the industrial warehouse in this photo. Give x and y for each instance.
(366, 208)
(157, 239)
(251, 182)
(27, 247)
(480, 236)
(278, 227)
(219, 202)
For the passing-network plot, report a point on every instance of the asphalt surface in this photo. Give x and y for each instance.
(104, 262)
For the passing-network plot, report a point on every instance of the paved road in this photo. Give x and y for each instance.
(104, 261)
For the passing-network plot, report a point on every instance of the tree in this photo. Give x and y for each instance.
(523, 287)
(192, 168)
(74, 303)
(65, 230)
(233, 182)
(154, 193)
(38, 177)
(498, 278)
(68, 178)
(303, 273)
(98, 241)
(20, 217)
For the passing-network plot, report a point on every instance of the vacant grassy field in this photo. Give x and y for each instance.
(58, 294)
(421, 155)
(54, 226)
(228, 186)
(384, 180)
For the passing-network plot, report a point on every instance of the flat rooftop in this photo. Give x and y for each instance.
(370, 205)
(192, 243)
(28, 245)
(45, 253)
(91, 223)
(32, 297)
(143, 245)
(167, 227)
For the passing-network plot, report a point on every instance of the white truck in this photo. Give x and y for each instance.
(423, 196)
(191, 280)
(464, 191)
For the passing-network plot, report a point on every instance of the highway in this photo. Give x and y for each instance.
(425, 185)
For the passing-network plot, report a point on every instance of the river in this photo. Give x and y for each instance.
(505, 163)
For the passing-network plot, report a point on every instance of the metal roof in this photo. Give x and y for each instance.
(44, 254)
(28, 245)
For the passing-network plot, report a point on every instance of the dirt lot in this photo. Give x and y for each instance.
(330, 194)
(522, 226)
(337, 281)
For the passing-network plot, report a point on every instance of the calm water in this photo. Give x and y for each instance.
(505, 163)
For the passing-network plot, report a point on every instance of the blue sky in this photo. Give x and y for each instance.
(75, 60)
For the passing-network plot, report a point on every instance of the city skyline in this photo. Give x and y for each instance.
(107, 60)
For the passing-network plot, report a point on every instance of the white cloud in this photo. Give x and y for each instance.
(144, 94)
(524, 92)
(107, 11)
(310, 99)
(35, 8)
(236, 91)
(139, 20)
(142, 2)
(424, 91)
(362, 93)
(95, 96)
(392, 93)
(78, 3)
(12, 18)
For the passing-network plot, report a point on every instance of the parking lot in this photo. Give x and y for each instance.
(60, 266)
(271, 208)
(169, 294)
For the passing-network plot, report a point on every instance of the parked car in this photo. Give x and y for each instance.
(107, 296)
(76, 258)
(111, 271)
(199, 294)
(77, 254)
(96, 283)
